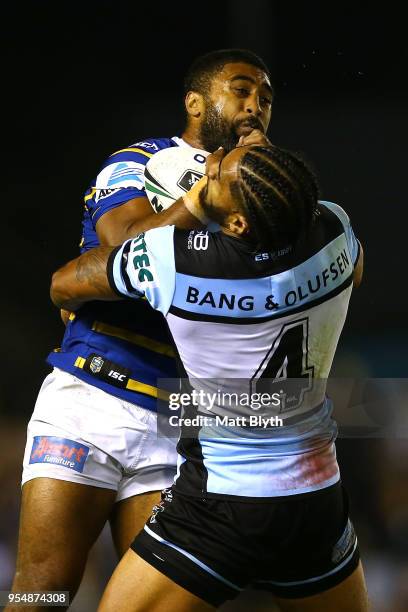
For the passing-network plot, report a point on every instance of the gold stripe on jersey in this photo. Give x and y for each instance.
(72, 316)
(125, 334)
(134, 385)
(90, 195)
(134, 151)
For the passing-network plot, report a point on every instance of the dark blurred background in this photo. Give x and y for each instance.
(82, 79)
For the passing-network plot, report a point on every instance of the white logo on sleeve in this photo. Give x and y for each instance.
(146, 145)
(200, 241)
(101, 194)
(120, 175)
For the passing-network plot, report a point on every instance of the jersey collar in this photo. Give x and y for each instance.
(180, 142)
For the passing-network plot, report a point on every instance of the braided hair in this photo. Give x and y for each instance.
(279, 193)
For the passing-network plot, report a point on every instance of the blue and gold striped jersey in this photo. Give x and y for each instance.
(121, 347)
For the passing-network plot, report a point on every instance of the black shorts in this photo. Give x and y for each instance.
(291, 546)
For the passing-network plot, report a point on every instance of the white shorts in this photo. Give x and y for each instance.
(81, 434)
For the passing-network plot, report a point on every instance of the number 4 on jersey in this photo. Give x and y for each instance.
(285, 368)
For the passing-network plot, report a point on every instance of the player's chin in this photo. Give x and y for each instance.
(245, 130)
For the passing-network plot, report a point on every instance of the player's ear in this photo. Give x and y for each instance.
(237, 224)
(194, 103)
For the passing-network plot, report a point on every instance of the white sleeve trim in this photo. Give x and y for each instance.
(145, 265)
(352, 242)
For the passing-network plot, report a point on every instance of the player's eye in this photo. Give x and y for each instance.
(266, 101)
(241, 91)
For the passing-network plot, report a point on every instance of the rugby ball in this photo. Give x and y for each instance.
(170, 173)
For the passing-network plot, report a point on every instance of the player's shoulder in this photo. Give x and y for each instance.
(157, 242)
(142, 150)
(206, 253)
(125, 167)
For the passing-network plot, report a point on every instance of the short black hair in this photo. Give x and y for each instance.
(201, 71)
(280, 195)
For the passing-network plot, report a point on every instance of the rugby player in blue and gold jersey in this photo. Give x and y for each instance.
(92, 454)
(260, 306)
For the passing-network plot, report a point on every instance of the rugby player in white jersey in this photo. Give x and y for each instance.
(92, 454)
(265, 300)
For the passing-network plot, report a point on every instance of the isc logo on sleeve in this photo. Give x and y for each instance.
(59, 451)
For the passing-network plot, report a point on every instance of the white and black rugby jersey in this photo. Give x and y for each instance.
(235, 316)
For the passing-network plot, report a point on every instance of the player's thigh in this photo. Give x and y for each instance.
(139, 489)
(136, 586)
(59, 522)
(129, 516)
(348, 596)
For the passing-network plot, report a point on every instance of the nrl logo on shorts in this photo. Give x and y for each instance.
(188, 179)
(96, 364)
(155, 512)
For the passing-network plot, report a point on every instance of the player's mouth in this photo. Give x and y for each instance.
(246, 127)
(244, 130)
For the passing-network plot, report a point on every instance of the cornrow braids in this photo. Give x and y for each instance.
(280, 194)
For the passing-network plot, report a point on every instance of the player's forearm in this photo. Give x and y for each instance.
(185, 213)
(82, 280)
(177, 214)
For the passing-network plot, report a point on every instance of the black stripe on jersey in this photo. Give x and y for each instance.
(109, 270)
(234, 258)
(193, 473)
(123, 264)
(195, 316)
(358, 253)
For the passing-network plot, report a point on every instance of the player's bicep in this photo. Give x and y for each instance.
(124, 221)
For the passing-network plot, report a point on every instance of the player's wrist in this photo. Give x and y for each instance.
(192, 201)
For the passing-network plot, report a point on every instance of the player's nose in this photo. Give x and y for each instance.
(252, 105)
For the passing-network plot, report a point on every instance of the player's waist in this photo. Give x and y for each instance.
(258, 475)
(149, 337)
(266, 446)
(113, 369)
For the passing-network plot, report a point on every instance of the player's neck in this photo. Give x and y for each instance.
(191, 136)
